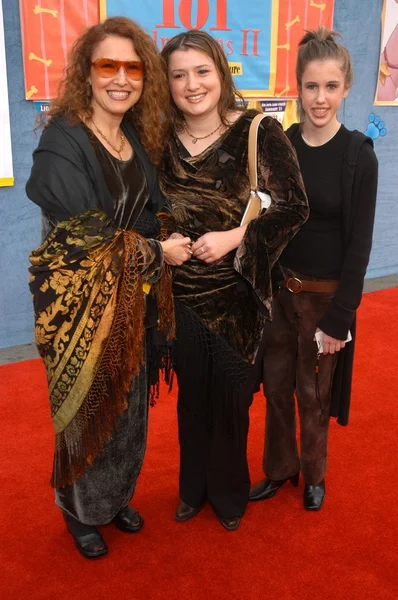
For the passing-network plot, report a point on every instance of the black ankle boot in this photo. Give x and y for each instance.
(268, 487)
(185, 512)
(87, 538)
(314, 495)
(230, 523)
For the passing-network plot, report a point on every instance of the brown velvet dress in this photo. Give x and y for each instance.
(221, 308)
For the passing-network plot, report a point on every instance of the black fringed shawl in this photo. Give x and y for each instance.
(87, 285)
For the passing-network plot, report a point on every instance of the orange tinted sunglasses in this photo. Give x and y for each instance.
(107, 67)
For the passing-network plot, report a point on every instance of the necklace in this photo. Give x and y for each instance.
(323, 143)
(122, 141)
(195, 138)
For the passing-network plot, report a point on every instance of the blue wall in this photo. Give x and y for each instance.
(359, 22)
(20, 219)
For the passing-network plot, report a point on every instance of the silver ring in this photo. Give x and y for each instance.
(202, 249)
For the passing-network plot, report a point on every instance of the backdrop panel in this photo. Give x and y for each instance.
(295, 17)
(361, 30)
(6, 173)
(49, 28)
(20, 218)
(260, 40)
(248, 37)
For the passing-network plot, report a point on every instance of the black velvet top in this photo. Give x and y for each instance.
(127, 184)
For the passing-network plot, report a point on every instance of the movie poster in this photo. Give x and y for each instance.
(260, 38)
(387, 83)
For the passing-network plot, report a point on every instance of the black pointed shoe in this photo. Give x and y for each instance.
(267, 488)
(230, 523)
(87, 538)
(314, 495)
(185, 512)
(129, 520)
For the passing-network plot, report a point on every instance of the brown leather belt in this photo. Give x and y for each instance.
(296, 285)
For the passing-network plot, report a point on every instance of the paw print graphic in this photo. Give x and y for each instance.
(375, 128)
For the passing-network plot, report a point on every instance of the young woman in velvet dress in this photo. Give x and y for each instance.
(223, 294)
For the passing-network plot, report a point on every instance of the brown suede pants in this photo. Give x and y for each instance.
(289, 366)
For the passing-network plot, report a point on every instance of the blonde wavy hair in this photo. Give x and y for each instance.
(149, 115)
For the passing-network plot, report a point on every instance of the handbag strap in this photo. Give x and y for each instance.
(253, 133)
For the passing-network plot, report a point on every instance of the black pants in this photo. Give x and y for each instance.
(213, 441)
(289, 366)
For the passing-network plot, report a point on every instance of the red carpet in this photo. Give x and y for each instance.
(346, 551)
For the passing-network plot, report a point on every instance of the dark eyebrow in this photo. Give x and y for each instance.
(316, 83)
(196, 67)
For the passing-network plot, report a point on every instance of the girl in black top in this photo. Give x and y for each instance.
(323, 271)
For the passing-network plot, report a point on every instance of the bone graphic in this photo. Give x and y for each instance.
(45, 61)
(38, 9)
(33, 90)
(285, 91)
(284, 47)
(291, 23)
(320, 6)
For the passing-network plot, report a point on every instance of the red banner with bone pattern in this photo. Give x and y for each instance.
(49, 28)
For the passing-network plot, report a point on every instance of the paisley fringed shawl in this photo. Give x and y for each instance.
(86, 284)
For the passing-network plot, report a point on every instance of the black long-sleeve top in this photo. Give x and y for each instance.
(336, 241)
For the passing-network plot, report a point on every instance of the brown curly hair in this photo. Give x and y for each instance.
(150, 113)
(230, 98)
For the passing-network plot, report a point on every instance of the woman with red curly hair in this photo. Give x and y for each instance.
(101, 292)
